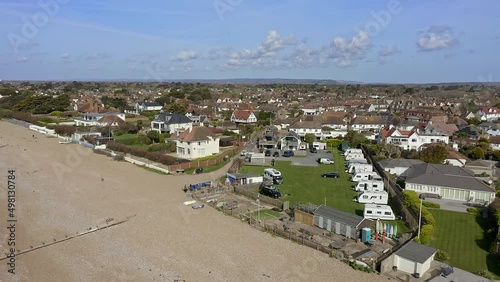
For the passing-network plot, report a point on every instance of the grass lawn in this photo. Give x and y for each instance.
(208, 169)
(463, 236)
(266, 214)
(304, 184)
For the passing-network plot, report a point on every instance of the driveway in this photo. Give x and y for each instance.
(310, 159)
(449, 205)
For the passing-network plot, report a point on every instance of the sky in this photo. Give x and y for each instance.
(385, 41)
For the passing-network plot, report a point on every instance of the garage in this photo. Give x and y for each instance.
(340, 222)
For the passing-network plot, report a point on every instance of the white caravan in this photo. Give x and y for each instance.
(353, 156)
(369, 197)
(273, 175)
(369, 185)
(348, 151)
(359, 167)
(356, 161)
(364, 176)
(374, 211)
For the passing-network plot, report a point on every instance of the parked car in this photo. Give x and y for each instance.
(179, 161)
(269, 190)
(267, 153)
(276, 154)
(325, 161)
(288, 153)
(244, 152)
(331, 174)
(313, 150)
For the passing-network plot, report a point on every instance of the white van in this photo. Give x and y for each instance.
(353, 156)
(369, 197)
(348, 151)
(359, 167)
(374, 211)
(273, 175)
(364, 176)
(356, 161)
(369, 185)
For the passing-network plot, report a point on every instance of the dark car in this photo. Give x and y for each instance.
(179, 161)
(269, 190)
(313, 150)
(276, 154)
(331, 174)
(288, 153)
(267, 153)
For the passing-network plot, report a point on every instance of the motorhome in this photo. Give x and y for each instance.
(273, 175)
(356, 161)
(369, 185)
(369, 197)
(374, 211)
(348, 151)
(359, 167)
(364, 176)
(353, 156)
(375, 177)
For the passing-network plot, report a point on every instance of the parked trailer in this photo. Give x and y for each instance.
(353, 156)
(370, 197)
(364, 176)
(369, 185)
(359, 167)
(374, 211)
(356, 161)
(348, 151)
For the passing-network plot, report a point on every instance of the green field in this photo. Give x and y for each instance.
(265, 214)
(464, 237)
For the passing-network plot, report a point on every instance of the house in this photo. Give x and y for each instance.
(413, 258)
(147, 106)
(340, 222)
(243, 116)
(100, 119)
(410, 140)
(494, 142)
(367, 123)
(171, 123)
(492, 129)
(455, 158)
(307, 125)
(196, 142)
(290, 141)
(399, 166)
(440, 129)
(479, 167)
(244, 178)
(450, 182)
(489, 113)
(269, 139)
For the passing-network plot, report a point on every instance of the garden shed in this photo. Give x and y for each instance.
(340, 222)
(244, 178)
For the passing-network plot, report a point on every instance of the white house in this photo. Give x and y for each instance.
(290, 141)
(147, 106)
(243, 116)
(307, 125)
(413, 258)
(100, 119)
(398, 167)
(197, 142)
(410, 140)
(449, 182)
(366, 123)
(171, 123)
(489, 113)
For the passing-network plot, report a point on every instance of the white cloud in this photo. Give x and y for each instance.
(305, 57)
(344, 52)
(65, 56)
(185, 56)
(385, 52)
(437, 37)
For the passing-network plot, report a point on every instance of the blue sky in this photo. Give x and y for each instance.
(395, 41)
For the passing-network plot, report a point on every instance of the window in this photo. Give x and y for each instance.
(369, 212)
(387, 213)
(199, 143)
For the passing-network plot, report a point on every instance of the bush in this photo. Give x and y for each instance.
(442, 256)
(431, 205)
(474, 210)
(56, 113)
(426, 234)
(486, 274)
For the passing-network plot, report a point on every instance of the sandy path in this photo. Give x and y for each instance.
(60, 192)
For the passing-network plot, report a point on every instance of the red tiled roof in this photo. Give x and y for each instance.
(241, 114)
(197, 133)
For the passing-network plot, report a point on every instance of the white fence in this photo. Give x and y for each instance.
(134, 161)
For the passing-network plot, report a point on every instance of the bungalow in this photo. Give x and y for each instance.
(489, 113)
(100, 119)
(197, 142)
(290, 141)
(479, 167)
(171, 123)
(363, 123)
(399, 166)
(243, 116)
(147, 106)
(413, 258)
(450, 182)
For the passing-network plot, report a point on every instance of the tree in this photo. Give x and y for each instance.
(154, 136)
(435, 154)
(477, 153)
(474, 121)
(309, 138)
(355, 138)
(65, 130)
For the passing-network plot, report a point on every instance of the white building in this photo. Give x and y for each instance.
(197, 142)
(489, 113)
(410, 140)
(171, 123)
(100, 119)
(398, 167)
(243, 116)
(147, 106)
(413, 258)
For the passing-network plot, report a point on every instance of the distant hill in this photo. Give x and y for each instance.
(265, 81)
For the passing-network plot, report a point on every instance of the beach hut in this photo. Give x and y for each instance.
(340, 222)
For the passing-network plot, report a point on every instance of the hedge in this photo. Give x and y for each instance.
(474, 210)
(426, 233)
(412, 201)
(431, 205)
(152, 156)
